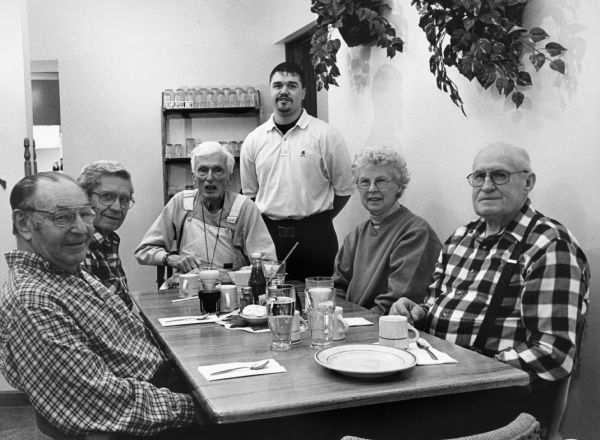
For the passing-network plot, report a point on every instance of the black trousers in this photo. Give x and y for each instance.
(317, 244)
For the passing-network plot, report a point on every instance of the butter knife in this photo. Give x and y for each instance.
(422, 343)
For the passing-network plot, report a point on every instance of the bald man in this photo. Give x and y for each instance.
(512, 284)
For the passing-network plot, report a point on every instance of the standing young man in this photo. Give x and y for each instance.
(298, 169)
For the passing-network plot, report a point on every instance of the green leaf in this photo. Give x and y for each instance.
(499, 85)
(537, 60)
(558, 65)
(554, 49)
(509, 86)
(517, 98)
(524, 79)
(538, 34)
(516, 29)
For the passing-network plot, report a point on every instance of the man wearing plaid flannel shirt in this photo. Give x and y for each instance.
(85, 361)
(109, 187)
(547, 297)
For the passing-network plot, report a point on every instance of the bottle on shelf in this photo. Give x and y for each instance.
(257, 280)
(168, 98)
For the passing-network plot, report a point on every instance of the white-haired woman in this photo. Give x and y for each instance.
(207, 225)
(108, 185)
(393, 253)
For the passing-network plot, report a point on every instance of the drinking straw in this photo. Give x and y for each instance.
(282, 263)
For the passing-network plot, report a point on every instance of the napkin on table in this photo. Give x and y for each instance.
(185, 320)
(272, 367)
(235, 322)
(423, 358)
(357, 321)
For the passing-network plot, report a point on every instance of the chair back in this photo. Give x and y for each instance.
(524, 427)
(51, 431)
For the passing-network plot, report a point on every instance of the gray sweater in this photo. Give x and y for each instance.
(375, 267)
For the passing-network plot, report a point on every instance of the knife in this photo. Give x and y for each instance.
(422, 343)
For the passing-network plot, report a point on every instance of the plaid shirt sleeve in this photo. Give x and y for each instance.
(554, 297)
(74, 388)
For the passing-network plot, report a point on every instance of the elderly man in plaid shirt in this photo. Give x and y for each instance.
(109, 187)
(546, 296)
(85, 361)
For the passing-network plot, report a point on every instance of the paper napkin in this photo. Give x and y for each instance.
(185, 320)
(272, 367)
(355, 322)
(423, 358)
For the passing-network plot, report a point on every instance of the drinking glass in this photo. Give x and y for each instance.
(274, 271)
(280, 312)
(320, 305)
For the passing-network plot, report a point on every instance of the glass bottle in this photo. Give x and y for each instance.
(179, 98)
(257, 280)
(168, 98)
(188, 101)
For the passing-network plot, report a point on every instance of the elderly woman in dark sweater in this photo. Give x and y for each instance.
(393, 253)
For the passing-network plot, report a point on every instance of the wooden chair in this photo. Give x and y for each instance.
(524, 427)
(51, 431)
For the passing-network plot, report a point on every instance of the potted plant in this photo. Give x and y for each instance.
(483, 39)
(359, 22)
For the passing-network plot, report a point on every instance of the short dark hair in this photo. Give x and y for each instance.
(288, 67)
(23, 193)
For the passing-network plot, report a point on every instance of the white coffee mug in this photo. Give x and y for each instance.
(189, 283)
(393, 331)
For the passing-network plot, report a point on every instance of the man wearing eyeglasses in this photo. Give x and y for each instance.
(85, 361)
(109, 187)
(512, 284)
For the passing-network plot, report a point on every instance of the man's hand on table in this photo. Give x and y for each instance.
(183, 263)
(406, 307)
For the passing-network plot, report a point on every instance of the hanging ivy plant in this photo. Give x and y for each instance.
(483, 40)
(359, 22)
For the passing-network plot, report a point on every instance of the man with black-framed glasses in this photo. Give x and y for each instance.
(514, 284)
(109, 187)
(86, 362)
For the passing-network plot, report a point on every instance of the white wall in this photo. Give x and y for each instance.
(15, 115)
(115, 57)
(558, 124)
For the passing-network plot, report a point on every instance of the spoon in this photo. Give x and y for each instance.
(257, 366)
(422, 343)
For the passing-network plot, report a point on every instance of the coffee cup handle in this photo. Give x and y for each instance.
(416, 332)
(341, 319)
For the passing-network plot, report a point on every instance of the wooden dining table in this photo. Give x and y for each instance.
(309, 401)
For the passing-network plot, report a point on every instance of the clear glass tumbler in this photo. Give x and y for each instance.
(320, 305)
(280, 312)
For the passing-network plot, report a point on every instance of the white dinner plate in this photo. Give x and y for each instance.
(365, 360)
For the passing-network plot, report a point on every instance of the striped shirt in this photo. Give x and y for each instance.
(535, 328)
(81, 356)
(102, 260)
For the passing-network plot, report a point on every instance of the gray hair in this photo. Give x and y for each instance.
(210, 147)
(517, 155)
(23, 194)
(92, 173)
(383, 155)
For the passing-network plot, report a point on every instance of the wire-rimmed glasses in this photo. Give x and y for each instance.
(499, 177)
(64, 217)
(108, 198)
(380, 184)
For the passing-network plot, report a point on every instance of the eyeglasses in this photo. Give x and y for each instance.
(64, 217)
(499, 177)
(216, 171)
(380, 184)
(108, 198)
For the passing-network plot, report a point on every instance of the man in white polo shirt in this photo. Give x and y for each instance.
(298, 169)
